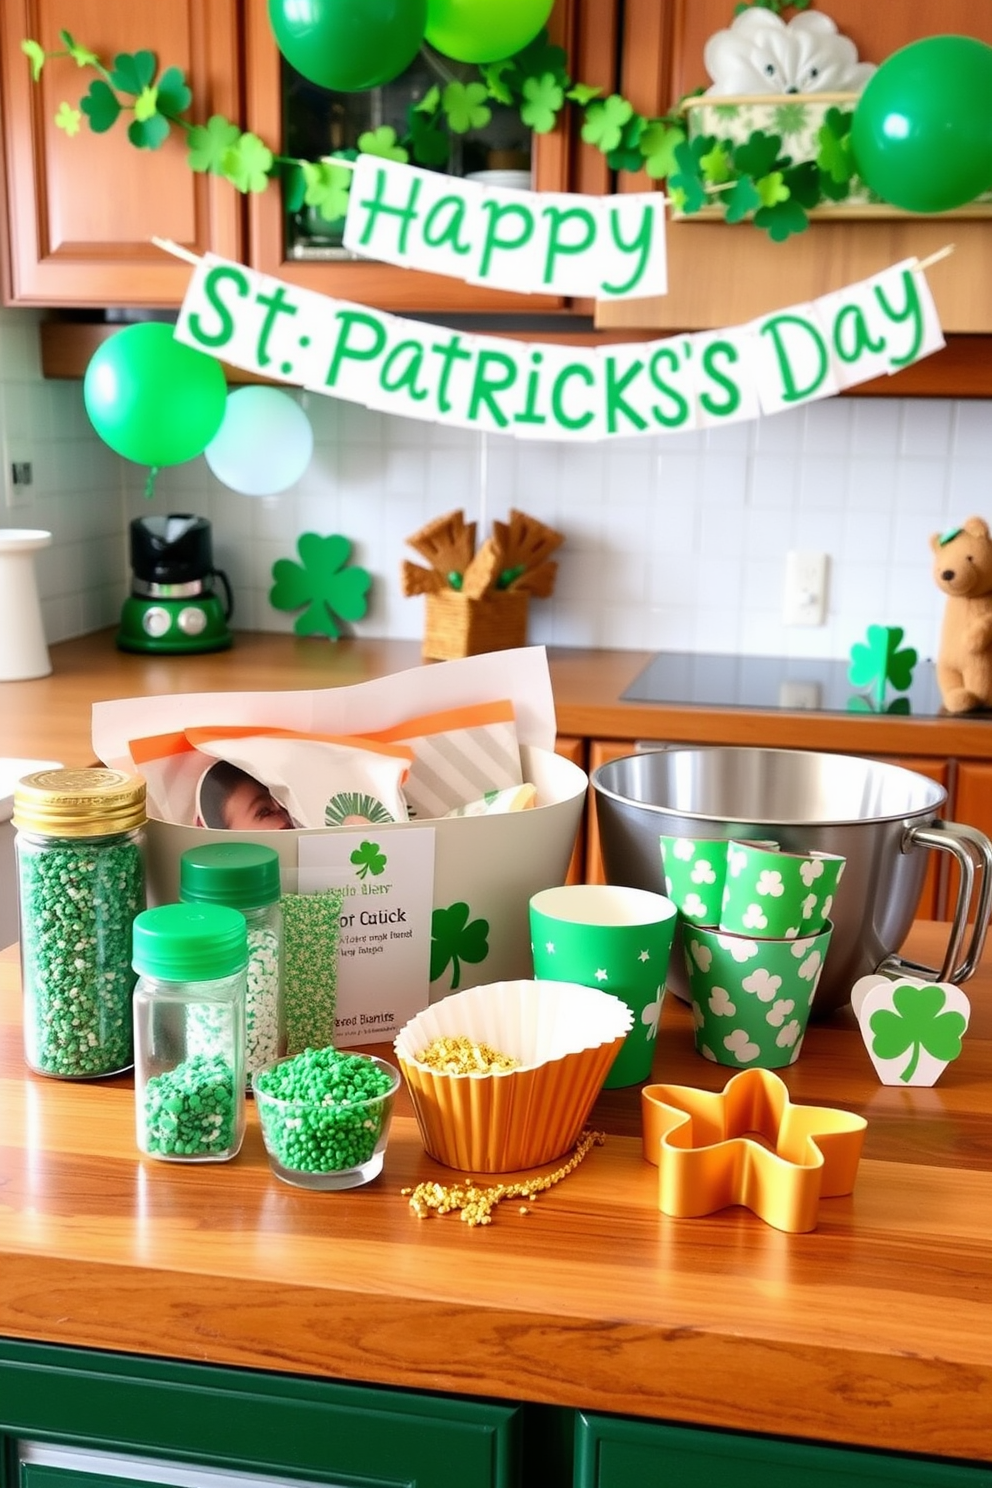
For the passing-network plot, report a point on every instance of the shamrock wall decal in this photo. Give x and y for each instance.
(912, 1029)
(321, 582)
(878, 662)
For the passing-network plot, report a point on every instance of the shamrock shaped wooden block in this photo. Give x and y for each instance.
(912, 1029)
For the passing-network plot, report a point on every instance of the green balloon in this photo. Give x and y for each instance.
(484, 30)
(348, 45)
(922, 128)
(152, 399)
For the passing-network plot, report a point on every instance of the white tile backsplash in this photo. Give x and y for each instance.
(674, 543)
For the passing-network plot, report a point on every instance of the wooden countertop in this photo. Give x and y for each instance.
(49, 718)
(875, 1329)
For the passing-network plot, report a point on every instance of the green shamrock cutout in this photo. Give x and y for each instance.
(382, 142)
(741, 200)
(151, 130)
(759, 156)
(782, 220)
(658, 144)
(429, 140)
(68, 119)
(455, 938)
(878, 661)
(605, 121)
(465, 106)
(132, 71)
(919, 1022)
(35, 54)
(544, 98)
(835, 156)
(494, 77)
(327, 188)
(173, 94)
(209, 143)
(369, 859)
(247, 164)
(100, 106)
(803, 183)
(321, 582)
(627, 155)
(686, 185)
(82, 56)
(581, 93)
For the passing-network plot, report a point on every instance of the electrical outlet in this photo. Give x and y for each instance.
(805, 588)
(18, 476)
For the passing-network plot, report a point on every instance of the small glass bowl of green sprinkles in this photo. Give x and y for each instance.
(325, 1116)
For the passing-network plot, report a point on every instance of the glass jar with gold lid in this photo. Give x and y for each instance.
(81, 882)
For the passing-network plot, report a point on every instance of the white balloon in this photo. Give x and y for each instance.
(264, 443)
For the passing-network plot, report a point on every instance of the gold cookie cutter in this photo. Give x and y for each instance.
(705, 1145)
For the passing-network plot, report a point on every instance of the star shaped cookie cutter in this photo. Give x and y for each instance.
(710, 1150)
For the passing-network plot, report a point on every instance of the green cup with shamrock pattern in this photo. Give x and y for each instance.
(695, 870)
(778, 895)
(614, 938)
(751, 997)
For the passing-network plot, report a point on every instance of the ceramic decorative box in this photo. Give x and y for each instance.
(797, 119)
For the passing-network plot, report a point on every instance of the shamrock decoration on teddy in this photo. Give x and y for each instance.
(963, 571)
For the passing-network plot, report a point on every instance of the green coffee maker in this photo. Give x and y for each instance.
(173, 607)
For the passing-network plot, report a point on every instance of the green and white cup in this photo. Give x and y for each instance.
(695, 870)
(751, 998)
(614, 938)
(778, 895)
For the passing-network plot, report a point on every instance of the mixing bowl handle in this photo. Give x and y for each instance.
(968, 846)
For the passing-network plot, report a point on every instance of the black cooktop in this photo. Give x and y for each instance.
(822, 686)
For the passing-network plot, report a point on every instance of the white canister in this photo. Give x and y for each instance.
(23, 650)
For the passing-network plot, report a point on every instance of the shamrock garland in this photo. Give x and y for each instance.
(754, 180)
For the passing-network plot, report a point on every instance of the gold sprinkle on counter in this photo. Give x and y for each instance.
(477, 1202)
(459, 1055)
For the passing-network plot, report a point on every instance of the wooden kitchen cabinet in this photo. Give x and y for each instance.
(585, 28)
(723, 275)
(81, 211)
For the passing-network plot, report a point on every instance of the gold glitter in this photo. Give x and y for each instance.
(477, 1203)
(460, 1055)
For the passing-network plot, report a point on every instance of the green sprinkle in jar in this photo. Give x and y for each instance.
(189, 1031)
(81, 881)
(246, 876)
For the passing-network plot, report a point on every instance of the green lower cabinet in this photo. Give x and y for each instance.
(617, 1452)
(70, 1418)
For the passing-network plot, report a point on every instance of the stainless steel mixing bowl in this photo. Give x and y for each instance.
(881, 818)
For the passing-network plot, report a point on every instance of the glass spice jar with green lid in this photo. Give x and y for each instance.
(246, 876)
(189, 1031)
(79, 846)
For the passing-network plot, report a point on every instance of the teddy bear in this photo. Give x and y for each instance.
(761, 53)
(963, 570)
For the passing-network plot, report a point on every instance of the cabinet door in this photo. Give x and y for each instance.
(560, 163)
(575, 750)
(101, 1418)
(611, 1452)
(723, 275)
(972, 807)
(81, 211)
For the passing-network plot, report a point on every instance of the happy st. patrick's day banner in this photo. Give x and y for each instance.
(535, 390)
(531, 242)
